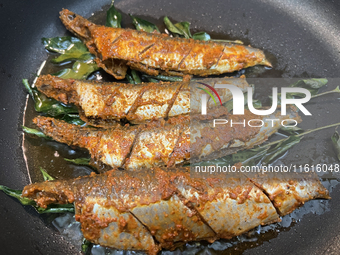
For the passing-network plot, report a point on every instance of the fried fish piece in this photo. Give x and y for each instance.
(151, 209)
(117, 48)
(136, 103)
(161, 143)
(288, 191)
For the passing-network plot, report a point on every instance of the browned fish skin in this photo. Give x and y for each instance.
(120, 146)
(135, 103)
(157, 208)
(78, 25)
(155, 53)
(289, 194)
(161, 143)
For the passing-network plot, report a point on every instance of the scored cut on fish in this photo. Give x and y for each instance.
(150, 209)
(117, 48)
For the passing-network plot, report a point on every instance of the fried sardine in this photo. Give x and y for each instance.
(169, 143)
(151, 209)
(117, 48)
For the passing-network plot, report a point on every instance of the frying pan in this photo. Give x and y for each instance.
(302, 39)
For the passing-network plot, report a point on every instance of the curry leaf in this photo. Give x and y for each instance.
(169, 25)
(184, 27)
(72, 56)
(70, 48)
(256, 104)
(149, 79)
(113, 17)
(17, 194)
(80, 70)
(230, 104)
(135, 77)
(313, 85)
(164, 78)
(291, 130)
(280, 149)
(33, 131)
(181, 28)
(143, 25)
(271, 153)
(46, 176)
(79, 161)
(56, 208)
(73, 119)
(227, 41)
(249, 157)
(52, 107)
(288, 96)
(47, 105)
(202, 36)
(336, 143)
(336, 90)
(62, 44)
(28, 87)
(130, 78)
(86, 246)
(224, 161)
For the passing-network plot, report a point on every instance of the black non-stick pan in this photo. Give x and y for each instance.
(302, 39)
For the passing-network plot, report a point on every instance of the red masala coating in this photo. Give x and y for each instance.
(158, 53)
(161, 143)
(149, 209)
(136, 103)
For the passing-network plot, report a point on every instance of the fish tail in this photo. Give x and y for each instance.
(267, 63)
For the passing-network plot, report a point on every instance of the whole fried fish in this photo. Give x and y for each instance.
(117, 48)
(151, 209)
(163, 143)
(137, 103)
